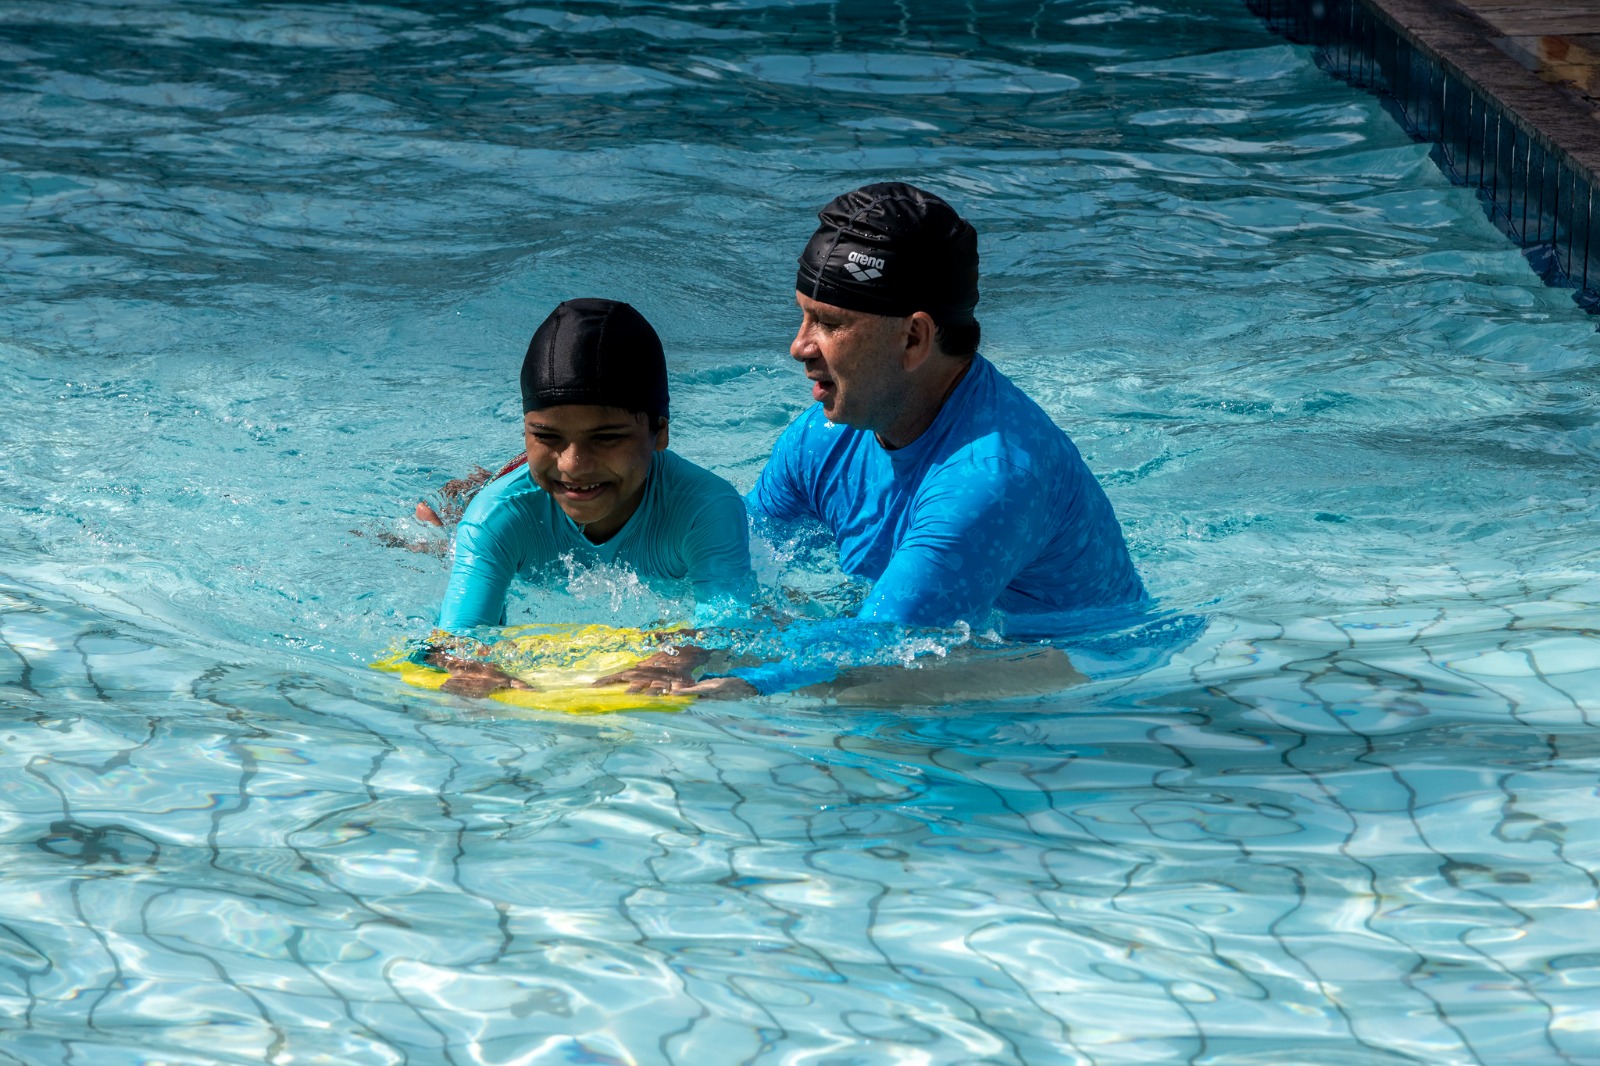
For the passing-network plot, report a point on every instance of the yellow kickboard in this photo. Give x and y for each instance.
(561, 664)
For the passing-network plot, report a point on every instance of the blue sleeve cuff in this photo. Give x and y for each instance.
(772, 678)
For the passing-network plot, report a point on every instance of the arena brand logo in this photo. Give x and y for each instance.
(863, 267)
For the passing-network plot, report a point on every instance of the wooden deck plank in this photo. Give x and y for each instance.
(1520, 18)
(1573, 61)
(1459, 34)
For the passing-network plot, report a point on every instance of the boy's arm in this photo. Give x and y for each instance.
(480, 573)
(718, 550)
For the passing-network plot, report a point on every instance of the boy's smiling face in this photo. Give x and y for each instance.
(593, 461)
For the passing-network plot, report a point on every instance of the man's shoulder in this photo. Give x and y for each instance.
(1010, 405)
(812, 421)
(1000, 422)
(811, 438)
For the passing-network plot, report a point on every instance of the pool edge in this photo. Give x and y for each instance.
(1525, 144)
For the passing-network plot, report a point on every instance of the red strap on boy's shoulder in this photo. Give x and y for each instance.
(520, 460)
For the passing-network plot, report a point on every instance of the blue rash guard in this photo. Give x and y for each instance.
(690, 524)
(991, 507)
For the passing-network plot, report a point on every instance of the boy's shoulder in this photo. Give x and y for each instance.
(680, 477)
(511, 493)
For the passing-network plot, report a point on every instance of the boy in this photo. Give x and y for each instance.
(599, 484)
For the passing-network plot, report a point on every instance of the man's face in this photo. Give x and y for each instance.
(854, 362)
(593, 462)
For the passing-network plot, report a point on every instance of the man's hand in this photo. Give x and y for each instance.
(665, 671)
(718, 688)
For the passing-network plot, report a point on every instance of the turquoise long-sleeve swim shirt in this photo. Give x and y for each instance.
(690, 525)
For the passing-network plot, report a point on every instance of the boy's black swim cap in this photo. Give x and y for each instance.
(892, 249)
(595, 351)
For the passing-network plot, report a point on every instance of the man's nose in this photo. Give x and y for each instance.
(802, 347)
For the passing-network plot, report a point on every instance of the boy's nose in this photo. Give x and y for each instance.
(574, 461)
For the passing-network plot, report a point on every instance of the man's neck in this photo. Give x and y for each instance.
(928, 399)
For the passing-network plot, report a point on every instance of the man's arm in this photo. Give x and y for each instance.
(974, 528)
(781, 492)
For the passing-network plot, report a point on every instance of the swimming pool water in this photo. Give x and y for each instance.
(268, 270)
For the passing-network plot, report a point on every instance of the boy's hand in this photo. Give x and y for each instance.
(473, 678)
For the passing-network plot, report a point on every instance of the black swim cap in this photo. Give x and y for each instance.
(892, 249)
(595, 351)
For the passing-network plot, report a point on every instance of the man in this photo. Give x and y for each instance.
(942, 482)
(598, 486)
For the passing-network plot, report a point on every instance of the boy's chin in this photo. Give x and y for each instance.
(588, 512)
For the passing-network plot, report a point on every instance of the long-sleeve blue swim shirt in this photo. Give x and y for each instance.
(991, 507)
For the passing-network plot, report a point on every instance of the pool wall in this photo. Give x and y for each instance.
(1496, 126)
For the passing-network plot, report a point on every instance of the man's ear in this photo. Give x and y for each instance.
(919, 340)
(661, 437)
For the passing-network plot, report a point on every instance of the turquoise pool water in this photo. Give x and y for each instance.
(267, 272)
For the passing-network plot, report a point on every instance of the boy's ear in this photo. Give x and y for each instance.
(661, 437)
